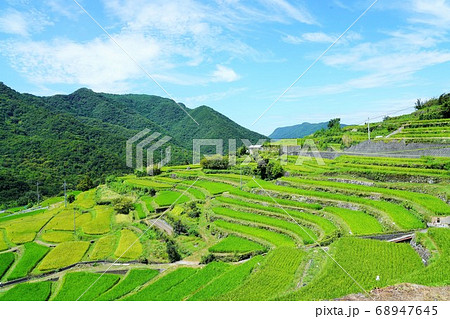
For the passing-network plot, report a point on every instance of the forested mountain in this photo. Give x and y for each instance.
(49, 139)
(297, 131)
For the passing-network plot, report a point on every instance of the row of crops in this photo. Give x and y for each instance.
(255, 239)
(277, 275)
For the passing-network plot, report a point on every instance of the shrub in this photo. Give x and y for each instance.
(172, 251)
(206, 259)
(214, 162)
(123, 205)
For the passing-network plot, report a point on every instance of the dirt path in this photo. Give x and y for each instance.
(404, 292)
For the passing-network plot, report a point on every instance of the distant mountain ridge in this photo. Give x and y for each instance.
(297, 131)
(49, 139)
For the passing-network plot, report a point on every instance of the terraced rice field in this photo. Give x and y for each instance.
(168, 198)
(233, 244)
(63, 255)
(134, 279)
(33, 253)
(129, 245)
(38, 291)
(238, 237)
(79, 286)
(6, 260)
(104, 248)
(364, 259)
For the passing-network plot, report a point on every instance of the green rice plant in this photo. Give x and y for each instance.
(302, 233)
(371, 263)
(201, 278)
(327, 226)
(274, 277)
(168, 198)
(32, 255)
(8, 217)
(162, 285)
(437, 273)
(36, 291)
(139, 211)
(6, 260)
(147, 183)
(359, 222)
(63, 220)
(280, 201)
(85, 200)
(148, 202)
(3, 244)
(81, 284)
(234, 244)
(198, 194)
(129, 246)
(272, 237)
(214, 187)
(402, 217)
(229, 281)
(24, 229)
(65, 254)
(57, 236)
(104, 247)
(433, 204)
(101, 223)
(134, 279)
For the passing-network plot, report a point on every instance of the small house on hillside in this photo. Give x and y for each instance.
(439, 221)
(253, 149)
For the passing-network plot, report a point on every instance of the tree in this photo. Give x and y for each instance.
(214, 162)
(123, 205)
(419, 104)
(334, 124)
(268, 169)
(85, 184)
(179, 228)
(71, 198)
(241, 151)
(172, 251)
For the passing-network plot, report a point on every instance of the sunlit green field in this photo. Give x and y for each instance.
(239, 237)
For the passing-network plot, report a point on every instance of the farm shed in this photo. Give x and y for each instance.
(439, 221)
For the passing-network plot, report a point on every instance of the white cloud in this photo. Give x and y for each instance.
(22, 23)
(98, 64)
(224, 74)
(318, 37)
(436, 13)
(296, 12)
(321, 37)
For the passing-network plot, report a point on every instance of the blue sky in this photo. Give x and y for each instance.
(235, 56)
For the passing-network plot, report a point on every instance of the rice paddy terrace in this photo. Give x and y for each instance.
(195, 234)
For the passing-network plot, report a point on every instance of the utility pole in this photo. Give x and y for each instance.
(65, 194)
(368, 127)
(37, 192)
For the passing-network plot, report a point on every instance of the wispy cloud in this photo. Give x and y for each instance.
(20, 23)
(321, 37)
(168, 38)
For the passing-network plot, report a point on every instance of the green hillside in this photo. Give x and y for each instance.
(429, 123)
(49, 139)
